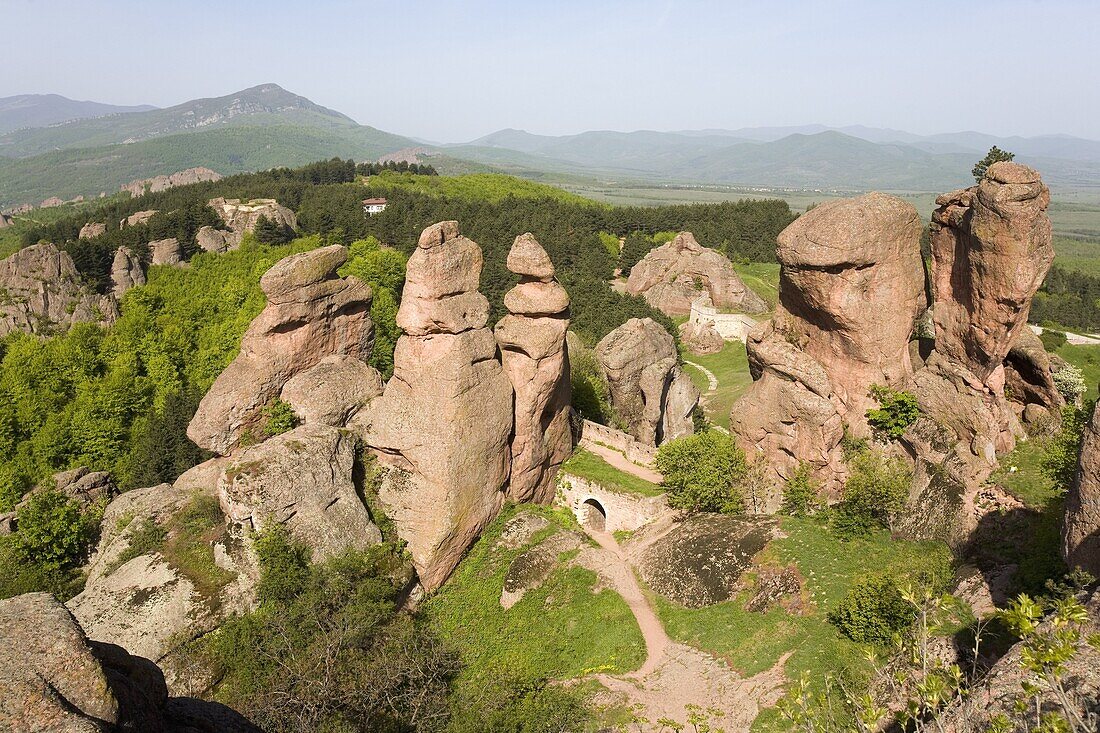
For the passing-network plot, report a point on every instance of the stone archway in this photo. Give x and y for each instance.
(594, 516)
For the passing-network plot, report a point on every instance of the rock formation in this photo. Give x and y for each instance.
(166, 251)
(701, 338)
(332, 392)
(535, 358)
(161, 183)
(303, 480)
(441, 428)
(851, 287)
(241, 217)
(214, 240)
(85, 487)
(1029, 373)
(126, 272)
(650, 392)
(671, 276)
(311, 313)
(5, 221)
(55, 679)
(92, 229)
(1081, 530)
(41, 292)
(139, 217)
(51, 203)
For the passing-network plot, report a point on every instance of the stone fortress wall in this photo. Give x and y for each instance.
(730, 326)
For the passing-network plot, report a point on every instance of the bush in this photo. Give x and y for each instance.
(1059, 462)
(897, 410)
(279, 418)
(703, 472)
(801, 493)
(874, 494)
(873, 611)
(1052, 340)
(1070, 382)
(53, 531)
(284, 565)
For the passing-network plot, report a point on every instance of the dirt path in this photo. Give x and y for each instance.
(676, 678)
(712, 381)
(619, 461)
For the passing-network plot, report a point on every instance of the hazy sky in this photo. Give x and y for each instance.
(452, 71)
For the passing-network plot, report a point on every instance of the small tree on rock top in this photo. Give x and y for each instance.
(995, 155)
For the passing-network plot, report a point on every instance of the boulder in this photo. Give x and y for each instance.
(1081, 528)
(53, 678)
(51, 202)
(701, 338)
(991, 249)
(649, 391)
(442, 427)
(1029, 373)
(311, 313)
(42, 292)
(5, 221)
(140, 217)
(166, 251)
(671, 276)
(214, 240)
(535, 358)
(92, 229)
(126, 272)
(332, 392)
(303, 480)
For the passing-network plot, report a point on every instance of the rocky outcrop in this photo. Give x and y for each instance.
(243, 216)
(51, 202)
(701, 338)
(301, 479)
(1081, 529)
(535, 358)
(650, 392)
(53, 678)
(126, 272)
(41, 292)
(161, 183)
(332, 392)
(92, 229)
(217, 241)
(140, 217)
(991, 249)
(671, 276)
(1029, 373)
(441, 429)
(86, 487)
(311, 313)
(5, 221)
(166, 251)
(851, 287)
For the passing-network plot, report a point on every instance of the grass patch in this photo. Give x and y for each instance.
(560, 630)
(1027, 483)
(1087, 359)
(754, 642)
(731, 369)
(763, 279)
(587, 465)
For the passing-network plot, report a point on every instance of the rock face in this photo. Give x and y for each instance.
(53, 678)
(214, 240)
(851, 287)
(243, 216)
(442, 427)
(1081, 530)
(166, 251)
(332, 392)
(92, 229)
(671, 276)
(991, 249)
(649, 390)
(5, 221)
(126, 272)
(701, 338)
(161, 183)
(140, 217)
(1029, 373)
(51, 202)
(535, 358)
(42, 292)
(311, 313)
(303, 480)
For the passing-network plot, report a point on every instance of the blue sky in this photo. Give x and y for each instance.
(452, 71)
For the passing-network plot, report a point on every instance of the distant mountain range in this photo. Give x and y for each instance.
(39, 110)
(51, 146)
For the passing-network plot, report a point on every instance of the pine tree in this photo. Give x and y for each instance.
(995, 155)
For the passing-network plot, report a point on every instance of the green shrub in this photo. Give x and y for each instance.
(512, 705)
(801, 494)
(1052, 340)
(873, 611)
(874, 494)
(1070, 382)
(279, 418)
(53, 531)
(591, 395)
(703, 472)
(1059, 462)
(896, 411)
(284, 565)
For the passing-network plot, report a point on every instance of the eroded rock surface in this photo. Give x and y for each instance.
(311, 313)
(166, 251)
(649, 390)
(161, 183)
(671, 276)
(701, 338)
(126, 271)
(535, 358)
(1081, 530)
(92, 229)
(442, 427)
(332, 392)
(41, 292)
